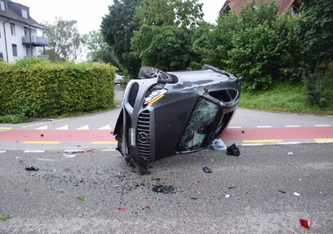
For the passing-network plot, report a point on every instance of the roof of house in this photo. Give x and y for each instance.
(13, 13)
(238, 4)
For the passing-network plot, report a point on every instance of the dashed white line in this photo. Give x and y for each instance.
(107, 127)
(293, 126)
(42, 128)
(86, 127)
(234, 127)
(63, 128)
(322, 125)
(264, 126)
(34, 151)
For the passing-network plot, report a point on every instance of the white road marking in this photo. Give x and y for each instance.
(63, 128)
(83, 128)
(45, 159)
(107, 127)
(323, 142)
(289, 143)
(70, 156)
(34, 151)
(42, 128)
(293, 126)
(107, 150)
(322, 125)
(264, 126)
(234, 127)
(1, 152)
(252, 144)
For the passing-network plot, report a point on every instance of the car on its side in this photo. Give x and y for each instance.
(172, 113)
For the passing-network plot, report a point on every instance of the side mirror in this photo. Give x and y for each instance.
(239, 79)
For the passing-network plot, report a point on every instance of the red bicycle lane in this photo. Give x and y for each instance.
(228, 134)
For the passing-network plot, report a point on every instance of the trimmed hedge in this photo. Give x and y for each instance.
(47, 89)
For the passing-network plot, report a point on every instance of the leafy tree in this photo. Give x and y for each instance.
(182, 13)
(118, 28)
(167, 47)
(98, 50)
(315, 32)
(263, 49)
(64, 38)
(213, 42)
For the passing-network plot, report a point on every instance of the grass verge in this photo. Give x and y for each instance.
(283, 97)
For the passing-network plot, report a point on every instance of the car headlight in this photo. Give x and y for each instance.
(154, 96)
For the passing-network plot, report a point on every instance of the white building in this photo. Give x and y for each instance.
(20, 35)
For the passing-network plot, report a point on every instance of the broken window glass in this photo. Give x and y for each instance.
(200, 121)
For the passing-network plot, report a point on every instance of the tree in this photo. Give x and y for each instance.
(315, 32)
(64, 38)
(118, 29)
(167, 47)
(98, 50)
(182, 13)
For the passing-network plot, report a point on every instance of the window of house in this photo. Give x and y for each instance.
(295, 11)
(1, 56)
(2, 6)
(14, 48)
(12, 29)
(24, 13)
(26, 31)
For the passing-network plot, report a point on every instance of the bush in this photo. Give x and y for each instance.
(43, 89)
(319, 87)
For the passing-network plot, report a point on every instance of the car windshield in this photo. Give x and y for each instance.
(202, 117)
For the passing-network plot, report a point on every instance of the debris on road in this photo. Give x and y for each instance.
(165, 189)
(233, 150)
(281, 191)
(207, 170)
(219, 145)
(70, 155)
(147, 207)
(42, 135)
(31, 168)
(227, 195)
(232, 187)
(243, 131)
(297, 194)
(122, 208)
(306, 223)
(89, 150)
(290, 153)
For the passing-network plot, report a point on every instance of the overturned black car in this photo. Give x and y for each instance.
(169, 113)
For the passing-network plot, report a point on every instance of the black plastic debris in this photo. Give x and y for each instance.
(42, 135)
(165, 189)
(281, 191)
(243, 131)
(233, 150)
(231, 187)
(144, 171)
(32, 168)
(207, 170)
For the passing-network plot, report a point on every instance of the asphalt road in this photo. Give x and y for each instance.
(260, 182)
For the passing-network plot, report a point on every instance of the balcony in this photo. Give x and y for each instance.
(35, 41)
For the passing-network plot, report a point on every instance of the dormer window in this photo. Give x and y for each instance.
(25, 14)
(2, 6)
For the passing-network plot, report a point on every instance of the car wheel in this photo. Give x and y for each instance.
(152, 72)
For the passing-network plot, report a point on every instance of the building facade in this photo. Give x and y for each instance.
(284, 5)
(20, 35)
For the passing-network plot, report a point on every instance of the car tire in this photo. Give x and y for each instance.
(152, 72)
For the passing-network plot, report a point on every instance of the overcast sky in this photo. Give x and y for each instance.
(89, 13)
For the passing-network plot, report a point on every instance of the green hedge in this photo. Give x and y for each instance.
(47, 89)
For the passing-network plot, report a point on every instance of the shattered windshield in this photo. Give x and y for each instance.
(198, 126)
